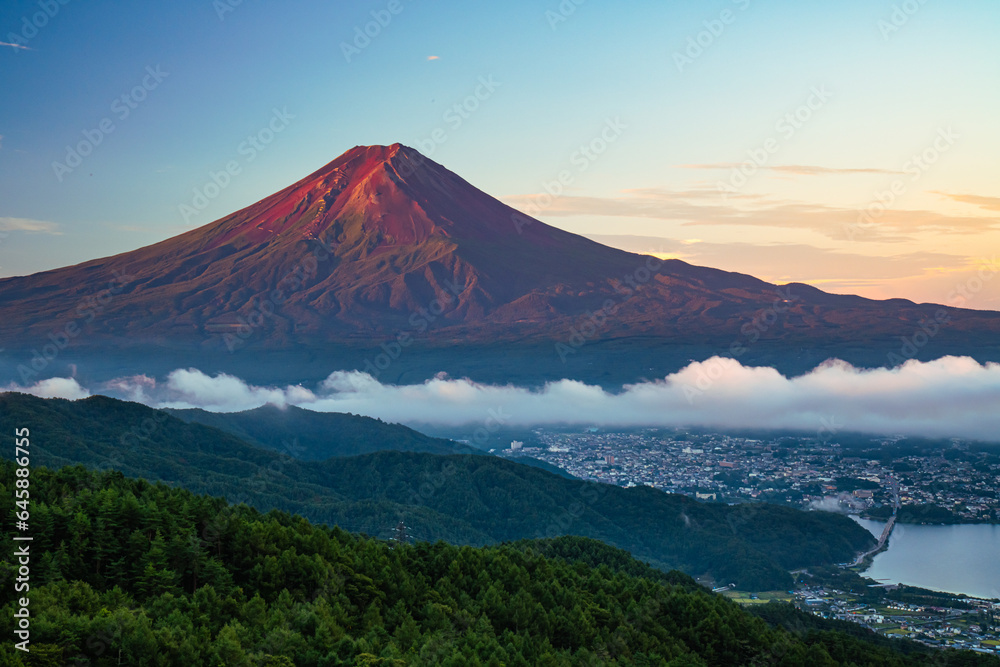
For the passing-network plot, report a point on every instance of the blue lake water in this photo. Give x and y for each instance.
(957, 559)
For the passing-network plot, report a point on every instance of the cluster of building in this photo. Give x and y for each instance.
(857, 474)
(972, 626)
(799, 471)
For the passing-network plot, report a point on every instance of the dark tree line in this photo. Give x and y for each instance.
(127, 572)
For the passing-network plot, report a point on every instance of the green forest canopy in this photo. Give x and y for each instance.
(476, 500)
(134, 573)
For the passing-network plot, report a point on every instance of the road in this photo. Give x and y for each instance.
(884, 537)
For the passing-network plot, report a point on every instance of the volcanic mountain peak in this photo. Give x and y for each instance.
(363, 183)
(369, 243)
(375, 198)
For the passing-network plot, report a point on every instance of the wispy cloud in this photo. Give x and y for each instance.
(433, 57)
(16, 46)
(987, 203)
(67, 388)
(795, 261)
(707, 208)
(799, 169)
(28, 225)
(923, 276)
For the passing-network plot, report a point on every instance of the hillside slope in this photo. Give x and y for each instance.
(142, 574)
(460, 499)
(317, 436)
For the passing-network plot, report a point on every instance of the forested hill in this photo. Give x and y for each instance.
(475, 500)
(317, 436)
(125, 572)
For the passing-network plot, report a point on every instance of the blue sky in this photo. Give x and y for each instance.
(895, 79)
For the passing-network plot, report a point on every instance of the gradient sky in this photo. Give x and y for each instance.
(891, 86)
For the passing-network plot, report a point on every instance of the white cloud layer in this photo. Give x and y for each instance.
(949, 397)
(67, 388)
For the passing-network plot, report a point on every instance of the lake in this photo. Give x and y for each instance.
(956, 559)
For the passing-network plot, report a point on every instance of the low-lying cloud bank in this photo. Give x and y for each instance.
(948, 397)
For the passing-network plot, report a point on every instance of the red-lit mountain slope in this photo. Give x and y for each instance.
(383, 240)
